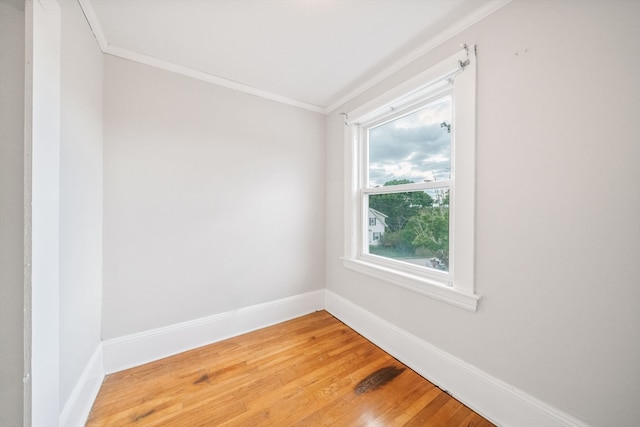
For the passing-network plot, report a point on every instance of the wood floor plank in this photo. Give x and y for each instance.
(310, 371)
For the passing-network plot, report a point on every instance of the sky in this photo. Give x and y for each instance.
(413, 147)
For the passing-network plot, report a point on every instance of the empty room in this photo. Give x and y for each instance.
(320, 212)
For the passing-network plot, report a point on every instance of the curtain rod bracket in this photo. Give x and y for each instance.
(346, 118)
(469, 49)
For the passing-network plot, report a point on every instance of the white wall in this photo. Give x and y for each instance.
(12, 49)
(558, 201)
(213, 199)
(80, 197)
(42, 207)
(51, 220)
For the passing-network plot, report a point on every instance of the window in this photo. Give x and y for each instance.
(411, 162)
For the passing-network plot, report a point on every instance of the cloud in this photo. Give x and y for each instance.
(413, 147)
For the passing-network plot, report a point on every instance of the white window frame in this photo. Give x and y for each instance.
(455, 75)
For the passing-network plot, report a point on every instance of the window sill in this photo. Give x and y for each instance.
(415, 284)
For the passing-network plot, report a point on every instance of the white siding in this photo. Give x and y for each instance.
(379, 227)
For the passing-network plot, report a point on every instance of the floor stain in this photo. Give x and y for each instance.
(146, 414)
(202, 379)
(378, 379)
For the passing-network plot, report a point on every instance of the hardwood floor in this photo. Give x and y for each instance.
(310, 371)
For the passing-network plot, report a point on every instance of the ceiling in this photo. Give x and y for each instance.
(314, 54)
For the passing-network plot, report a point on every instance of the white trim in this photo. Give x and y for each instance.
(415, 283)
(76, 409)
(42, 163)
(427, 47)
(432, 81)
(456, 286)
(209, 78)
(136, 349)
(120, 52)
(446, 34)
(494, 399)
(94, 23)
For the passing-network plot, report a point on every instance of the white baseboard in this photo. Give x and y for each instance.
(76, 409)
(136, 349)
(492, 398)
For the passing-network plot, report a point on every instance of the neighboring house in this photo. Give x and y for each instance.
(377, 224)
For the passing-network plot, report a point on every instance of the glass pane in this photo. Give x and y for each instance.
(412, 227)
(412, 148)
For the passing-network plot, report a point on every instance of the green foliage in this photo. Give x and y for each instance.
(427, 232)
(398, 182)
(415, 222)
(396, 241)
(430, 229)
(399, 207)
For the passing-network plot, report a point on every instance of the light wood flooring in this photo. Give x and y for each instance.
(310, 371)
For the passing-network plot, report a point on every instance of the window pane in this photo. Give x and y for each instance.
(412, 148)
(412, 227)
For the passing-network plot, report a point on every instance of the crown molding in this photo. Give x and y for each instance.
(94, 24)
(427, 47)
(451, 31)
(206, 77)
(110, 49)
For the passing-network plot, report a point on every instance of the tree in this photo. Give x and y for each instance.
(430, 229)
(399, 207)
(396, 240)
